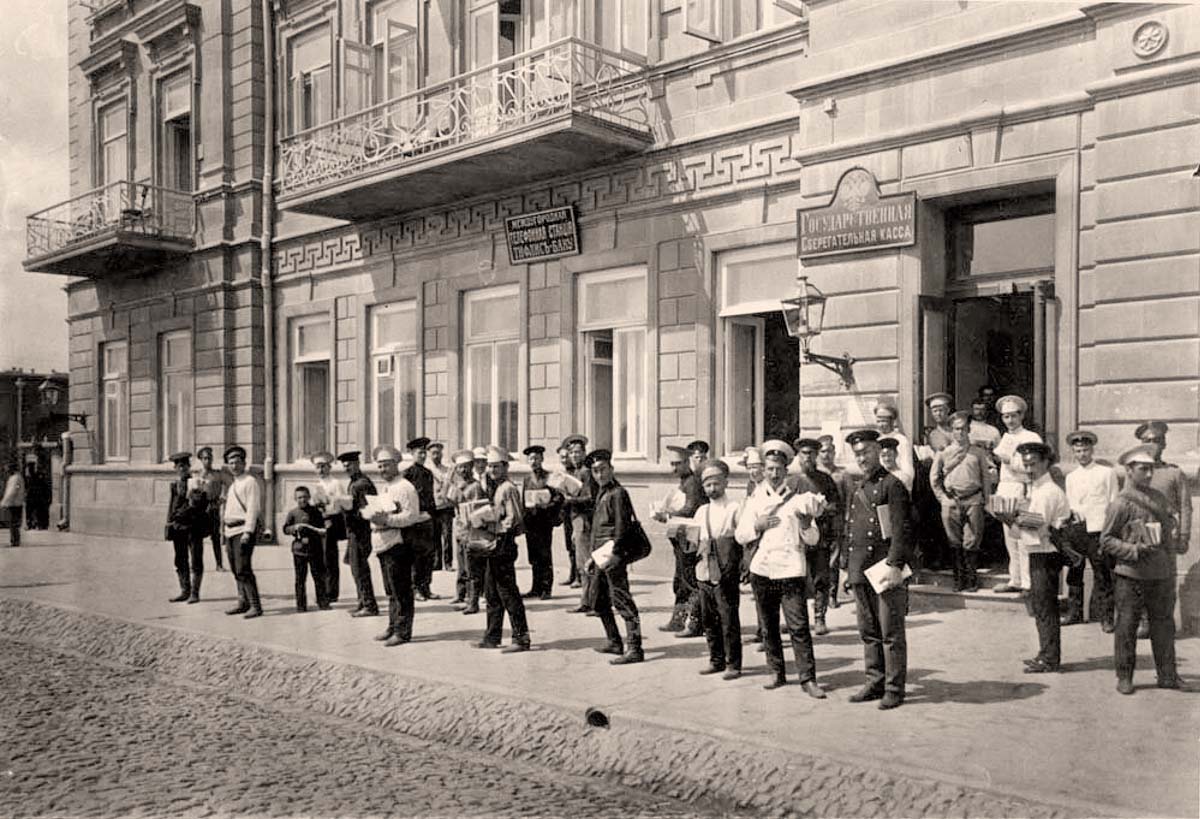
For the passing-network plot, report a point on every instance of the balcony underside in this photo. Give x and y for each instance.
(550, 148)
(110, 253)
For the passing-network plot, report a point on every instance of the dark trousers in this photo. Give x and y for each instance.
(881, 629)
(475, 567)
(358, 552)
(683, 583)
(1100, 601)
(329, 559)
(397, 565)
(818, 580)
(1044, 571)
(240, 551)
(788, 594)
(581, 539)
(13, 516)
(315, 563)
(422, 541)
(570, 546)
(443, 524)
(539, 539)
(189, 555)
(609, 592)
(214, 531)
(722, 624)
(1157, 599)
(502, 595)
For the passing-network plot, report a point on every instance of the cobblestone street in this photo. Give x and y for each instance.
(90, 739)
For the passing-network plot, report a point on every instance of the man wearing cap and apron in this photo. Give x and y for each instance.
(1091, 488)
(242, 516)
(500, 576)
(358, 535)
(879, 528)
(462, 488)
(1013, 484)
(811, 479)
(718, 571)
(685, 618)
(579, 507)
(778, 535)
(961, 483)
(396, 555)
(330, 499)
(543, 507)
(187, 522)
(215, 483)
(422, 537)
(1141, 535)
(444, 516)
(1047, 510)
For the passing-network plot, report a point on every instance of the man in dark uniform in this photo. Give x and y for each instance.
(564, 517)
(358, 535)
(812, 479)
(879, 501)
(1172, 483)
(579, 508)
(685, 619)
(827, 463)
(1141, 535)
(422, 536)
(187, 523)
(543, 506)
(611, 518)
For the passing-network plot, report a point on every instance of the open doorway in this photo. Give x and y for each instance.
(762, 374)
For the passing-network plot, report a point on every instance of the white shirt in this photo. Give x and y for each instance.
(404, 499)
(1047, 500)
(330, 495)
(1011, 469)
(243, 505)
(780, 551)
(14, 491)
(1090, 490)
(716, 519)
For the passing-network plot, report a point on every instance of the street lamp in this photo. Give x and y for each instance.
(804, 315)
(51, 393)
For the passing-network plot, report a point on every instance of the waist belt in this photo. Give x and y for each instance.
(956, 496)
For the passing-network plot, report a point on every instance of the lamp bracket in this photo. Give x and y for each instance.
(842, 365)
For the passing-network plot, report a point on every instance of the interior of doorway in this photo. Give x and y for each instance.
(993, 345)
(762, 371)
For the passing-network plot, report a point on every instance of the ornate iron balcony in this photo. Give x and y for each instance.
(119, 224)
(567, 81)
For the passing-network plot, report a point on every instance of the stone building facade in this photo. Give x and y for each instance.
(1050, 147)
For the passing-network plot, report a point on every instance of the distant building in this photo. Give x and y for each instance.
(25, 421)
(433, 159)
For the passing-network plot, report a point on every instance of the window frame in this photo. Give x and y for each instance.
(390, 352)
(297, 363)
(380, 46)
(731, 407)
(295, 79)
(494, 340)
(187, 426)
(169, 121)
(103, 139)
(620, 328)
(119, 378)
(720, 18)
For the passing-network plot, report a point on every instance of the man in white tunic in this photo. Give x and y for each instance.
(1091, 489)
(1014, 481)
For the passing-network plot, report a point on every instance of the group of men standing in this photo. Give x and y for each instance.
(804, 520)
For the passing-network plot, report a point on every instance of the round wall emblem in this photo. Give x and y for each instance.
(1149, 39)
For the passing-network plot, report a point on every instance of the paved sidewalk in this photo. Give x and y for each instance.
(972, 718)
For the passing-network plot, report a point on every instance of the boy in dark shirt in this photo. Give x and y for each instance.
(305, 524)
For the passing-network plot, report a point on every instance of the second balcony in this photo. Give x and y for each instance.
(539, 114)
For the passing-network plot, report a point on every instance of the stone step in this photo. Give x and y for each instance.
(934, 589)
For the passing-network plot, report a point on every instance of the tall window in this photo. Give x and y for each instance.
(176, 388)
(491, 347)
(393, 39)
(312, 343)
(622, 26)
(310, 80)
(612, 322)
(112, 163)
(114, 358)
(177, 157)
(721, 20)
(394, 373)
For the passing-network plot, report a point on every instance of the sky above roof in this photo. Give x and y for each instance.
(33, 175)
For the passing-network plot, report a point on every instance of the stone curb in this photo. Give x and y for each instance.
(673, 762)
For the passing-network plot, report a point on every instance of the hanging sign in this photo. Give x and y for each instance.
(547, 234)
(857, 219)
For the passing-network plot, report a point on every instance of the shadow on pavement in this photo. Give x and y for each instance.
(36, 585)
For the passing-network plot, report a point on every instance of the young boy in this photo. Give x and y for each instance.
(305, 524)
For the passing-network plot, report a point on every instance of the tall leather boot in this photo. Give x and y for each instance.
(695, 625)
(820, 606)
(185, 588)
(633, 644)
(243, 605)
(960, 570)
(195, 595)
(472, 598)
(1074, 612)
(253, 599)
(678, 617)
(970, 564)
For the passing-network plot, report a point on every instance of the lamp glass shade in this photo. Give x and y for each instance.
(50, 393)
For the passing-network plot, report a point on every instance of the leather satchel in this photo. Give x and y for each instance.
(634, 545)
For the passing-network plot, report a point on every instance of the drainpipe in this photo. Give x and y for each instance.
(64, 489)
(267, 282)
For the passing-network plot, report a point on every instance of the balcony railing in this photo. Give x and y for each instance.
(567, 77)
(119, 208)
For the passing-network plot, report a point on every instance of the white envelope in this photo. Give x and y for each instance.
(877, 573)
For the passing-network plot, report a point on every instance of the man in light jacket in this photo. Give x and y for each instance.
(396, 557)
(12, 502)
(243, 511)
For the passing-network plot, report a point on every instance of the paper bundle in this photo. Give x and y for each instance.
(877, 576)
(567, 484)
(604, 557)
(1000, 505)
(1148, 533)
(480, 513)
(1030, 520)
(684, 528)
(375, 504)
(536, 498)
(808, 503)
